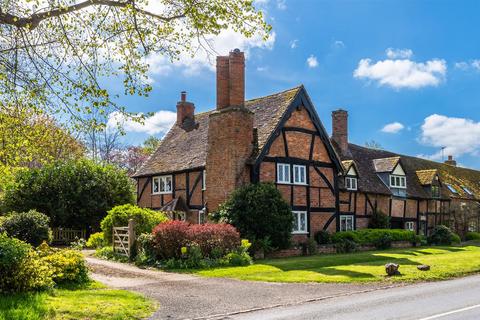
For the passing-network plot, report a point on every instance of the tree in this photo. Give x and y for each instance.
(259, 213)
(151, 144)
(373, 145)
(55, 54)
(29, 138)
(73, 193)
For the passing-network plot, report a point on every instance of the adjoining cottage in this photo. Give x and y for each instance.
(331, 184)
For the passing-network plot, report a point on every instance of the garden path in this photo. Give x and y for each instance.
(184, 296)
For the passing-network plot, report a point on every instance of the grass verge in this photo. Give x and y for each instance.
(93, 302)
(445, 262)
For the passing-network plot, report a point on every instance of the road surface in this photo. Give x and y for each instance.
(446, 300)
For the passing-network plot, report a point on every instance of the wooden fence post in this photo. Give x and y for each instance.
(131, 238)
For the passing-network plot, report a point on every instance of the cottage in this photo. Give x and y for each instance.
(330, 183)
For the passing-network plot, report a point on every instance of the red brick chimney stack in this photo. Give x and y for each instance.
(185, 109)
(450, 161)
(231, 80)
(340, 129)
(230, 132)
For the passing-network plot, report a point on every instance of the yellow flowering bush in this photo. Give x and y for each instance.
(67, 266)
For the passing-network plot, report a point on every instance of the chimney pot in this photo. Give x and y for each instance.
(451, 161)
(185, 110)
(183, 96)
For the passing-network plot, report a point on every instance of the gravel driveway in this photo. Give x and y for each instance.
(183, 296)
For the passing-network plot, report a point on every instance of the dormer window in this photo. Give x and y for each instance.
(398, 181)
(351, 183)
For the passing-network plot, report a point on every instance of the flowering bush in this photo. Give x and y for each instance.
(145, 219)
(20, 267)
(96, 241)
(67, 266)
(212, 240)
(169, 237)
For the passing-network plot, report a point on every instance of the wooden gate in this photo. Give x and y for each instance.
(66, 235)
(123, 239)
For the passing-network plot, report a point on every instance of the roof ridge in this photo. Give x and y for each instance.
(275, 94)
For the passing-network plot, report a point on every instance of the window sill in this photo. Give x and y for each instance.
(157, 193)
(292, 184)
(300, 232)
(352, 189)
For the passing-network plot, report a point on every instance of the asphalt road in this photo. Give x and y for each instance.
(447, 300)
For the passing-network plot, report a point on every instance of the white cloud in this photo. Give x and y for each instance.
(312, 61)
(159, 123)
(339, 44)
(458, 135)
(398, 53)
(223, 43)
(393, 127)
(282, 4)
(261, 69)
(468, 65)
(402, 73)
(261, 2)
(294, 44)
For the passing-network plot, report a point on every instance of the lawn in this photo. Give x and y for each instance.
(445, 262)
(93, 302)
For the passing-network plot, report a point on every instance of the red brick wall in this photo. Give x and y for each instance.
(397, 208)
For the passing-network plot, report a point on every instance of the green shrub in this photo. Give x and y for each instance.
(345, 246)
(442, 235)
(145, 219)
(96, 241)
(383, 242)
(456, 239)
(236, 259)
(472, 236)
(31, 227)
(107, 253)
(145, 250)
(74, 194)
(379, 220)
(372, 236)
(67, 266)
(258, 211)
(311, 246)
(323, 237)
(20, 267)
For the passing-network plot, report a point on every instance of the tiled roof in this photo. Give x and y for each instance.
(426, 176)
(182, 150)
(370, 182)
(385, 164)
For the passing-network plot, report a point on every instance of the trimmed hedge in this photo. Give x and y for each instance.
(472, 236)
(442, 235)
(374, 236)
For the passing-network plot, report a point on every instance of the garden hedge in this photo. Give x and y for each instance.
(374, 236)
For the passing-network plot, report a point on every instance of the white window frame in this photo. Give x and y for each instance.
(346, 218)
(280, 179)
(299, 167)
(165, 179)
(351, 183)
(297, 216)
(468, 191)
(452, 189)
(201, 216)
(398, 181)
(204, 180)
(410, 225)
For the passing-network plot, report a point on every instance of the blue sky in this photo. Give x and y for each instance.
(408, 72)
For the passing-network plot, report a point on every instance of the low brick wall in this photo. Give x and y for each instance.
(329, 249)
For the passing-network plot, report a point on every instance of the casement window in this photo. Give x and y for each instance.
(204, 180)
(162, 185)
(472, 226)
(283, 173)
(435, 192)
(398, 181)
(299, 174)
(299, 222)
(410, 225)
(347, 223)
(351, 183)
